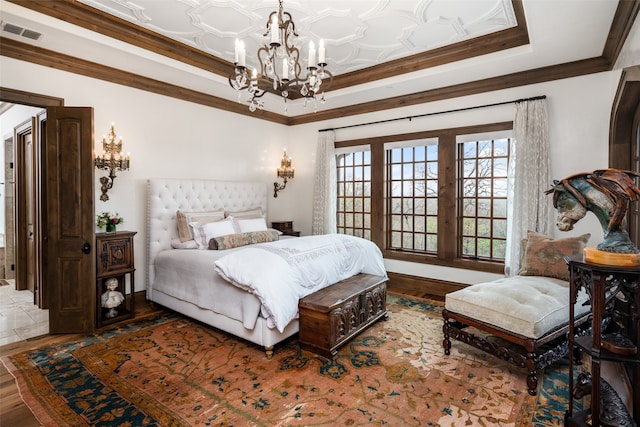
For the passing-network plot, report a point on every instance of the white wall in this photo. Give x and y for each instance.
(579, 113)
(172, 138)
(166, 138)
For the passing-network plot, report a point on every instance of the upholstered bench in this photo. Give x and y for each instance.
(531, 312)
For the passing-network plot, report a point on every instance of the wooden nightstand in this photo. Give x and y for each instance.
(285, 227)
(114, 275)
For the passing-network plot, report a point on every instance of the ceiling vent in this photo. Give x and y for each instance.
(20, 31)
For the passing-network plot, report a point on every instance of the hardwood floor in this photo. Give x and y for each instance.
(13, 411)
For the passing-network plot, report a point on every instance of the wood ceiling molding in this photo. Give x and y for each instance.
(523, 78)
(623, 20)
(48, 58)
(109, 25)
(101, 22)
(489, 43)
(96, 20)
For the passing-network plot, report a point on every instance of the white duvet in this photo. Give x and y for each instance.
(282, 272)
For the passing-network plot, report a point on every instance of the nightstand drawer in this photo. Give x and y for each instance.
(283, 226)
(114, 252)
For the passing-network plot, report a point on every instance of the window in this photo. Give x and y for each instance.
(354, 193)
(435, 197)
(482, 198)
(412, 197)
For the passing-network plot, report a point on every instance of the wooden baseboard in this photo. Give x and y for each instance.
(422, 286)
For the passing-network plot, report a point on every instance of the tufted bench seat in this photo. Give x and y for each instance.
(531, 312)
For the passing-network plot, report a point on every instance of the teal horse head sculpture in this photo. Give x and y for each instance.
(607, 193)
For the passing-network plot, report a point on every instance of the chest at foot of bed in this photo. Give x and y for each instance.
(333, 315)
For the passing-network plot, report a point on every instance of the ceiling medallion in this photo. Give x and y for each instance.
(280, 70)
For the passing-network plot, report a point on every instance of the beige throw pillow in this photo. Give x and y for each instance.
(248, 214)
(183, 218)
(544, 256)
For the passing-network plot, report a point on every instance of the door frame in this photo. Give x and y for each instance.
(15, 96)
(25, 273)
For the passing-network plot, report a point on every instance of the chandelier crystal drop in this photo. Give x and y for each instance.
(280, 70)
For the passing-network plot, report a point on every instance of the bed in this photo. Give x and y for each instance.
(188, 280)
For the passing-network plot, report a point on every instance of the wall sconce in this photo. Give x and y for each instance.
(285, 171)
(112, 160)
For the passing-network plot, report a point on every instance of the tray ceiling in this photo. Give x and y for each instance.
(378, 49)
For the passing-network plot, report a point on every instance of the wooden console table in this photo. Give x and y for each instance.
(615, 334)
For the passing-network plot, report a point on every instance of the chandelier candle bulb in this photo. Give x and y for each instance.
(312, 54)
(275, 34)
(241, 54)
(321, 53)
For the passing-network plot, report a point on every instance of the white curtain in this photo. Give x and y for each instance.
(324, 186)
(528, 208)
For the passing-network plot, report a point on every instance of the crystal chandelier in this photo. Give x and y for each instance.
(280, 69)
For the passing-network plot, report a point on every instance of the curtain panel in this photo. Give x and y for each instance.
(325, 186)
(529, 177)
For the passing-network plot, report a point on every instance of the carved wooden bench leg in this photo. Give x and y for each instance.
(532, 377)
(269, 352)
(446, 342)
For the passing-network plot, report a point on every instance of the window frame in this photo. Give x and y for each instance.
(447, 248)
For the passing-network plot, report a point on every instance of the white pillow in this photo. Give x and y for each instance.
(205, 231)
(249, 225)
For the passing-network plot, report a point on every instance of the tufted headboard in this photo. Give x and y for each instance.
(166, 196)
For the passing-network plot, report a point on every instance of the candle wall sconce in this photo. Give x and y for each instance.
(285, 171)
(112, 159)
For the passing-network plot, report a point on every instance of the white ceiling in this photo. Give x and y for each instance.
(357, 33)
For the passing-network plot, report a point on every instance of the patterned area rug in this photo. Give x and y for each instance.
(171, 371)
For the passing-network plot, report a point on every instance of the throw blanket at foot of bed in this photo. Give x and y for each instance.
(281, 273)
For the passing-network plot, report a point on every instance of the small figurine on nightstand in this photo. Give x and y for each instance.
(112, 298)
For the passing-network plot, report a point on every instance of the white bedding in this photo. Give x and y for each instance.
(189, 275)
(282, 272)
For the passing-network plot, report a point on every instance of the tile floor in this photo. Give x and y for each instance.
(20, 318)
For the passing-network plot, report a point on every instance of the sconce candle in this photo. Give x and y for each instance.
(285, 171)
(112, 159)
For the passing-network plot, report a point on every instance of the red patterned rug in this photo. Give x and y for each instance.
(171, 371)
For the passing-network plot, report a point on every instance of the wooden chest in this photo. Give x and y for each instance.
(337, 313)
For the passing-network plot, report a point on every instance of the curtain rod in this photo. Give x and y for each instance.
(515, 101)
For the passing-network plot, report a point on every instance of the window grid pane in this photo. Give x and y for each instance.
(354, 194)
(412, 197)
(482, 198)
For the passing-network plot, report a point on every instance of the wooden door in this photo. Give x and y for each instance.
(68, 225)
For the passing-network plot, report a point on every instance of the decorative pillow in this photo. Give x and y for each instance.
(249, 213)
(178, 244)
(242, 239)
(185, 217)
(205, 231)
(544, 256)
(248, 225)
